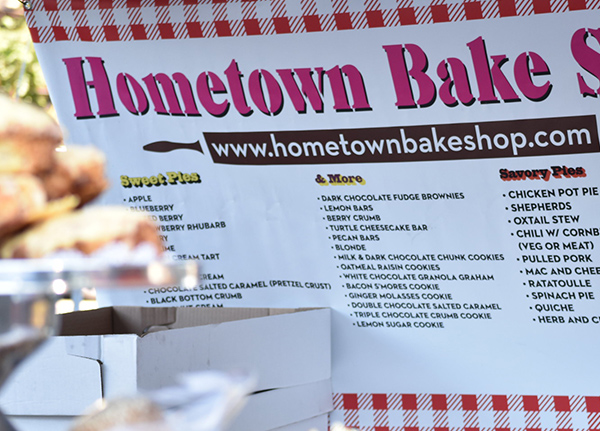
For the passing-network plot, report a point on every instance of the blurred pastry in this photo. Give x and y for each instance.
(28, 138)
(132, 413)
(22, 196)
(41, 188)
(86, 231)
(79, 171)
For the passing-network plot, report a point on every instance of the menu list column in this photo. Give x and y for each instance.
(555, 241)
(388, 285)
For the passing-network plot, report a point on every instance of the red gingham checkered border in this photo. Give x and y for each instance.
(129, 20)
(443, 412)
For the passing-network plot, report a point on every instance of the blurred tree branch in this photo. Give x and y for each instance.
(20, 73)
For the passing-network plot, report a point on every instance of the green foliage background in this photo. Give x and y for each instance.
(20, 73)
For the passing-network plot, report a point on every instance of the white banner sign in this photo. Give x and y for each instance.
(428, 171)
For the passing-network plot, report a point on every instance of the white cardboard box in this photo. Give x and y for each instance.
(101, 353)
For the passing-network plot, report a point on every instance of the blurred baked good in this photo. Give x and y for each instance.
(85, 230)
(40, 188)
(22, 196)
(133, 413)
(28, 138)
(79, 171)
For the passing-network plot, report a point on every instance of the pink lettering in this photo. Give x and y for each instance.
(308, 88)
(507, 93)
(236, 89)
(338, 88)
(79, 87)
(587, 58)
(169, 90)
(482, 71)
(186, 93)
(400, 75)
(124, 84)
(459, 81)
(174, 95)
(258, 95)
(204, 93)
(528, 65)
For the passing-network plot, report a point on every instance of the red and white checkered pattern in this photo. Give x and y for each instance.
(443, 412)
(127, 20)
